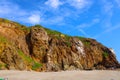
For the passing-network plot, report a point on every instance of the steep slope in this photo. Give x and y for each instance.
(41, 49)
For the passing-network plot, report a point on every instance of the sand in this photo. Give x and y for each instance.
(63, 75)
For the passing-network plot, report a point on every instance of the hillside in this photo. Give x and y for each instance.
(41, 49)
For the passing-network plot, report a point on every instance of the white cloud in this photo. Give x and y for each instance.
(79, 4)
(34, 19)
(53, 3)
(12, 11)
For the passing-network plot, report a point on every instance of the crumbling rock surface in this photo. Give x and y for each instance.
(40, 49)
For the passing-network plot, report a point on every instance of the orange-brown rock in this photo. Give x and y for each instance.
(40, 49)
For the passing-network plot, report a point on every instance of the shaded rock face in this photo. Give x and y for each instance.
(10, 58)
(39, 43)
(41, 49)
(13, 60)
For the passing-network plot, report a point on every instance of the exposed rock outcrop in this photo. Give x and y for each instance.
(39, 43)
(41, 49)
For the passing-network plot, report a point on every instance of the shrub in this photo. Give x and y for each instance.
(3, 65)
(36, 66)
(68, 44)
(27, 29)
(67, 37)
(0, 66)
(105, 54)
(87, 43)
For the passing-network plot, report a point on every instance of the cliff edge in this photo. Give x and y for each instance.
(40, 49)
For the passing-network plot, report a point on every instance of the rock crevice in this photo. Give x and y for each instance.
(40, 49)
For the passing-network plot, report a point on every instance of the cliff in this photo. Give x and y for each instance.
(40, 49)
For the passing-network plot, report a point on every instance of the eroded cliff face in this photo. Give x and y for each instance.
(40, 49)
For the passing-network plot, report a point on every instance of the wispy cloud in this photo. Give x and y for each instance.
(79, 4)
(118, 2)
(106, 23)
(108, 30)
(53, 3)
(83, 32)
(86, 25)
(107, 8)
(81, 27)
(108, 11)
(62, 10)
(9, 8)
(112, 28)
(57, 20)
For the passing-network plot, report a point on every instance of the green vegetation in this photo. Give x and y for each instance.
(53, 32)
(3, 43)
(35, 65)
(4, 20)
(24, 28)
(37, 25)
(1, 66)
(50, 32)
(28, 59)
(105, 54)
(87, 43)
(2, 78)
(3, 39)
(80, 37)
(67, 37)
(68, 44)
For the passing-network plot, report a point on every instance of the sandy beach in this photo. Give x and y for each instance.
(64, 75)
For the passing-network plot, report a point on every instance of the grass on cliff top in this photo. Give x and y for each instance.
(17, 25)
(4, 20)
(35, 65)
(54, 33)
(24, 28)
(60, 35)
(49, 31)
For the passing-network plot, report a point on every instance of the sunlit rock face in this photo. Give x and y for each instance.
(80, 47)
(40, 49)
(112, 50)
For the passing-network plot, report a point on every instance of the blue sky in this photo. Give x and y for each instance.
(98, 19)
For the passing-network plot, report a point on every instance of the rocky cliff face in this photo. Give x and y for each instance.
(40, 49)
